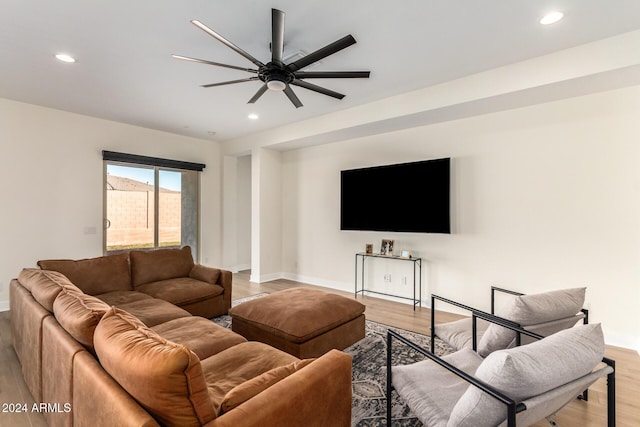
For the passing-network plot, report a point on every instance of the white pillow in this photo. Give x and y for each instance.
(530, 310)
(527, 371)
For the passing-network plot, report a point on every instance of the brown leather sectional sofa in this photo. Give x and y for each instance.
(167, 274)
(105, 345)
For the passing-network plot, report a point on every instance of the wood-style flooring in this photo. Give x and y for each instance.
(576, 414)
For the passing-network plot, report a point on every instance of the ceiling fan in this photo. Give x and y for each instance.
(276, 75)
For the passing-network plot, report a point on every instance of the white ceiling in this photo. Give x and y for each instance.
(125, 71)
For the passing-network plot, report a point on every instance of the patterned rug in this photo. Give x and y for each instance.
(369, 372)
(370, 375)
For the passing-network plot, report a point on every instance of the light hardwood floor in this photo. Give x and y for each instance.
(576, 414)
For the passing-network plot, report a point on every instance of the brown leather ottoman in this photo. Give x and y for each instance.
(303, 322)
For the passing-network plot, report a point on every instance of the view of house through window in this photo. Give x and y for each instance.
(149, 207)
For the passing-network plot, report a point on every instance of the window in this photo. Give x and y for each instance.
(150, 203)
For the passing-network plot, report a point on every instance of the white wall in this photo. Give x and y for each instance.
(266, 215)
(237, 213)
(243, 214)
(51, 174)
(544, 197)
(229, 209)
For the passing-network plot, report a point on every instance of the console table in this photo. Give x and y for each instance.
(417, 268)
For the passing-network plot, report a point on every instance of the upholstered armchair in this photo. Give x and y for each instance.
(513, 387)
(543, 313)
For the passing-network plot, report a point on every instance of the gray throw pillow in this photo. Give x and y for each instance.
(530, 310)
(527, 371)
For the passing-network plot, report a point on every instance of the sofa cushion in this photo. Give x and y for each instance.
(529, 370)
(94, 275)
(237, 364)
(161, 264)
(118, 298)
(45, 285)
(79, 314)
(164, 377)
(248, 389)
(154, 311)
(530, 310)
(199, 335)
(181, 290)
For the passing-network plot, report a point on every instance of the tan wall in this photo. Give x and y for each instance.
(134, 209)
(130, 215)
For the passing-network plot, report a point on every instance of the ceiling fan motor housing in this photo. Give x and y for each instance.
(275, 76)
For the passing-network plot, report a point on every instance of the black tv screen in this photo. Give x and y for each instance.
(406, 197)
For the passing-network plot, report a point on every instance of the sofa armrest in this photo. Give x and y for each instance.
(318, 395)
(214, 276)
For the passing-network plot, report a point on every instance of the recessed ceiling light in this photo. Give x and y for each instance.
(551, 17)
(253, 116)
(65, 58)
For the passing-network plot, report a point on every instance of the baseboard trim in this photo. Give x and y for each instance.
(243, 267)
(617, 340)
(339, 286)
(265, 277)
(4, 305)
(346, 287)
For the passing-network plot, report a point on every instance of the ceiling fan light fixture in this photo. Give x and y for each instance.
(276, 85)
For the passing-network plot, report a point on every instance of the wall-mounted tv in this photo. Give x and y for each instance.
(406, 197)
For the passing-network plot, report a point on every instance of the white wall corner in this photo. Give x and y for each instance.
(621, 340)
(241, 267)
(265, 277)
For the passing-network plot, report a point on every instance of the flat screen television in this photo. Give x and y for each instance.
(407, 197)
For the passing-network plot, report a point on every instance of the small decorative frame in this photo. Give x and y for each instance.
(405, 254)
(368, 248)
(386, 248)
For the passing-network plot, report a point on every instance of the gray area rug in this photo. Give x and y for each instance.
(369, 372)
(370, 375)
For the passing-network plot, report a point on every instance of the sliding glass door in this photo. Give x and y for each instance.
(149, 207)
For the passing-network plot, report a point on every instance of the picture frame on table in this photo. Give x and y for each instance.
(386, 247)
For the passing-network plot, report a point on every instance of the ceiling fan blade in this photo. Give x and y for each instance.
(277, 35)
(332, 74)
(230, 82)
(321, 53)
(292, 96)
(317, 88)
(226, 42)
(258, 94)
(203, 61)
